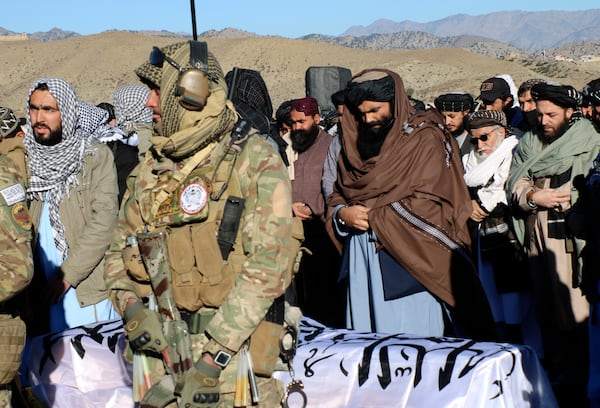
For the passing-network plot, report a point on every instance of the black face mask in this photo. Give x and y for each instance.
(303, 139)
(530, 119)
(371, 139)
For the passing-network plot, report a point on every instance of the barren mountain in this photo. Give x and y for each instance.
(97, 64)
(530, 30)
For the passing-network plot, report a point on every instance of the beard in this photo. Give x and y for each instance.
(370, 139)
(458, 131)
(552, 135)
(51, 139)
(530, 119)
(481, 155)
(303, 139)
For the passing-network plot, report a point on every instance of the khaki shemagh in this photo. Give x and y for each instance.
(186, 132)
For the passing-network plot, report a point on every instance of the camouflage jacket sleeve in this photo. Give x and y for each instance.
(266, 236)
(121, 288)
(16, 264)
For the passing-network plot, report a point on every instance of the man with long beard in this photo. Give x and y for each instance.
(400, 208)
(541, 186)
(584, 221)
(501, 262)
(319, 295)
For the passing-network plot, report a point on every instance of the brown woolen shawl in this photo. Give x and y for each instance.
(422, 170)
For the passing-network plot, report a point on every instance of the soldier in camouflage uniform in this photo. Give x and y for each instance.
(227, 299)
(16, 271)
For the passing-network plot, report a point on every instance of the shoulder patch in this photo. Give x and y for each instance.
(13, 194)
(20, 215)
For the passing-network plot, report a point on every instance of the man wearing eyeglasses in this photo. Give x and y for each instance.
(205, 172)
(501, 262)
(542, 189)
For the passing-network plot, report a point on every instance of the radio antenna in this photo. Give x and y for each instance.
(193, 7)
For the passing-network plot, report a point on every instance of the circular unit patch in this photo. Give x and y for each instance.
(21, 216)
(193, 198)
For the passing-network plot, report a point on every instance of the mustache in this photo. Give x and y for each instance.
(39, 125)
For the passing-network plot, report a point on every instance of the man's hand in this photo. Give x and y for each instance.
(302, 211)
(355, 216)
(199, 386)
(551, 197)
(144, 328)
(478, 213)
(57, 286)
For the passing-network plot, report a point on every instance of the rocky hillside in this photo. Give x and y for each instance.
(98, 64)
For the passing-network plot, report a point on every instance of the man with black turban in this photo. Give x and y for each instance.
(584, 220)
(542, 188)
(455, 106)
(400, 207)
(591, 97)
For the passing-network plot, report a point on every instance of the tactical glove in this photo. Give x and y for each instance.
(199, 386)
(144, 328)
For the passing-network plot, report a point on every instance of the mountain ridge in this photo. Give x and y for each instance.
(529, 30)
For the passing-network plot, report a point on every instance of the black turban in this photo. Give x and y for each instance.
(562, 95)
(454, 102)
(591, 92)
(377, 90)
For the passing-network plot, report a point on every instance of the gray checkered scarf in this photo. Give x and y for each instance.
(130, 107)
(53, 169)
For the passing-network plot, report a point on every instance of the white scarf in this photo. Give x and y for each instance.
(491, 173)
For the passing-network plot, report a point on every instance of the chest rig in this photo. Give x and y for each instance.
(200, 204)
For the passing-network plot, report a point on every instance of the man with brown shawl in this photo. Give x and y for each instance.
(400, 207)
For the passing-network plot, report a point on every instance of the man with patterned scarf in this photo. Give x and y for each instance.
(223, 297)
(501, 262)
(400, 206)
(73, 193)
(542, 188)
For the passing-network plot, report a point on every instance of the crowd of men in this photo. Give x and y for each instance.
(174, 204)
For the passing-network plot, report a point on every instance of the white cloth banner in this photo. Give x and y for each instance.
(84, 367)
(345, 368)
(81, 367)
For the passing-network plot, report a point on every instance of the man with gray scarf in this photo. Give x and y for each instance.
(542, 188)
(73, 193)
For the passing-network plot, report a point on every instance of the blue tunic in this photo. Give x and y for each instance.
(367, 308)
(67, 313)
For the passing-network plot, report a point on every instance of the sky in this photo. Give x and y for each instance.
(290, 19)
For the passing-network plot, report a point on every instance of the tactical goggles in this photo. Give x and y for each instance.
(158, 58)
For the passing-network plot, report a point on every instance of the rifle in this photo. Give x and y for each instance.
(178, 354)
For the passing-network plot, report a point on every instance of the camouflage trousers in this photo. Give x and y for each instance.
(5, 397)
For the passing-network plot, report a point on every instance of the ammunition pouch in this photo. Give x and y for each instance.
(273, 343)
(12, 342)
(132, 259)
(200, 276)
